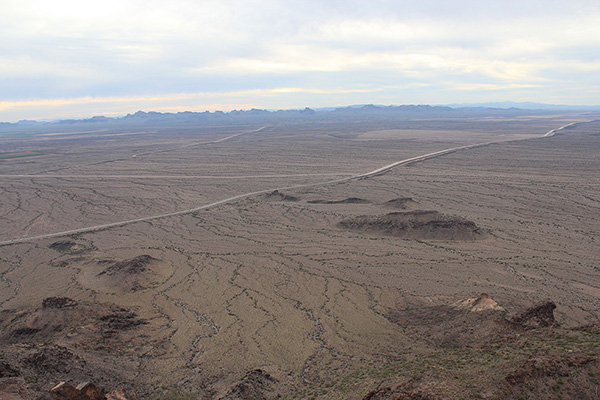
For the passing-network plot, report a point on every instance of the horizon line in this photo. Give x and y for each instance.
(506, 105)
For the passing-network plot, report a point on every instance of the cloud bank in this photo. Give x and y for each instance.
(73, 58)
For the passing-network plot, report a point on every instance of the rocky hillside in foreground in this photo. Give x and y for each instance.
(480, 352)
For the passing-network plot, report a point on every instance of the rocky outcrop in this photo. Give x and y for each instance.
(420, 225)
(477, 304)
(59, 302)
(407, 391)
(68, 247)
(132, 266)
(277, 195)
(89, 391)
(14, 389)
(554, 375)
(255, 385)
(57, 342)
(122, 394)
(7, 370)
(66, 391)
(53, 358)
(119, 320)
(540, 316)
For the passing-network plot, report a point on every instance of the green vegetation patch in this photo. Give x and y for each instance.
(8, 156)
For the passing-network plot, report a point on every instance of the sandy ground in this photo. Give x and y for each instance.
(275, 283)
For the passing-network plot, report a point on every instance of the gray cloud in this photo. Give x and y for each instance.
(310, 51)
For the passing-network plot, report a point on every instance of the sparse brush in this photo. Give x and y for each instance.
(175, 395)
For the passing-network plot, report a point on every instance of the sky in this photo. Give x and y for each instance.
(80, 58)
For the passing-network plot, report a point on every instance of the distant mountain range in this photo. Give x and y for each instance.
(523, 106)
(360, 110)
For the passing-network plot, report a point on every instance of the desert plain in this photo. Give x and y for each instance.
(313, 280)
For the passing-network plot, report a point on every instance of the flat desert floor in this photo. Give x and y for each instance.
(319, 282)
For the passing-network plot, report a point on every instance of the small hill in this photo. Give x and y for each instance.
(132, 266)
(420, 225)
(349, 200)
(476, 304)
(401, 203)
(277, 195)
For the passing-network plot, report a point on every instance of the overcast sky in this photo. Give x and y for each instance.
(79, 58)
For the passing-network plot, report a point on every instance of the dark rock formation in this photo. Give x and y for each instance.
(66, 391)
(59, 302)
(255, 385)
(538, 366)
(400, 393)
(132, 266)
(119, 320)
(277, 195)
(423, 225)
(25, 331)
(7, 370)
(539, 316)
(67, 246)
(53, 359)
(349, 200)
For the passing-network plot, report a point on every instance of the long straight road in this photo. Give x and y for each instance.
(553, 131)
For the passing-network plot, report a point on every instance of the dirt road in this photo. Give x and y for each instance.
(553, 131)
